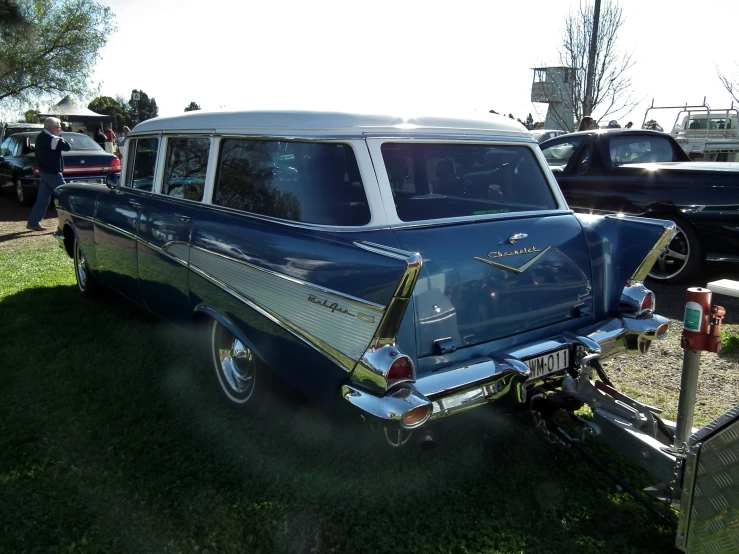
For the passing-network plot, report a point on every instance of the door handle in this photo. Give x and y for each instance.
(136, 205)
(184, 218)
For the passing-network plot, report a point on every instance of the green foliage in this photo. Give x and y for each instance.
(145, 108)
(11, 18)
(192, 107)
(56, 50)
(529, 122)
(729, 342)
(113, 439)
(31, 116)
(117, 110)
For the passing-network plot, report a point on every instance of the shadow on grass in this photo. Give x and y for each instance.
(114, 439)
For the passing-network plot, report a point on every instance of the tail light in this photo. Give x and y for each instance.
(416, 416)
(35, 170)
(115, 165)
(648, 302)
(400, 370)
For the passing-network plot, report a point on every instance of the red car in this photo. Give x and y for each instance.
(86, 162)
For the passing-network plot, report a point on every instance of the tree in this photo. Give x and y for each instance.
(143, 109)
(192, 107)
(731, 83)
(11, 18)
(529, 122)
(612, 88)
(31, 116)
(57, 50)
(115, 108)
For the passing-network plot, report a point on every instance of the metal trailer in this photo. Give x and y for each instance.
(697, 470)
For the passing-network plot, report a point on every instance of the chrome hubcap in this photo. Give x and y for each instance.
(237, 366)
(673, 258)
(81, 266)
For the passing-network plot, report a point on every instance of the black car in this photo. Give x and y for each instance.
(87, 161)
(647, 173)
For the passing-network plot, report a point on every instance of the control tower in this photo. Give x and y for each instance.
(553, 86)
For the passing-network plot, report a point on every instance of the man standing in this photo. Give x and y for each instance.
(49, 148)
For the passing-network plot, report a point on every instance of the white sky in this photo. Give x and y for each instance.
(399, 55)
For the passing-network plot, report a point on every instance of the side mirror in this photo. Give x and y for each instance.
(112, 181)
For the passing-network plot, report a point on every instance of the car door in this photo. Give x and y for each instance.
(575, 164)
(117, 213)
(165, 227)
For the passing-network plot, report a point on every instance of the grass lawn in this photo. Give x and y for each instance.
(113, 439)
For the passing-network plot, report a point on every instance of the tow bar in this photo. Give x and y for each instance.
(698, 472)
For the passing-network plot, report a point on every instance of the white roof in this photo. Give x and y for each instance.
(310, 123)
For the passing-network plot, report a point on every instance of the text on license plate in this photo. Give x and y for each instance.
(548, 363)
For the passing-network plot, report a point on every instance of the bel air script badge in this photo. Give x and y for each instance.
(517, 270)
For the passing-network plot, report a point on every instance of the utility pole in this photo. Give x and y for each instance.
(587, 107)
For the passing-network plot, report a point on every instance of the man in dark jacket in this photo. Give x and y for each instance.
(49, 148)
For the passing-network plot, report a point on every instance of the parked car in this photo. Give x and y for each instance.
(647, 173)
(545, 134)
(85, 162)
(408, 269)
(10, 129)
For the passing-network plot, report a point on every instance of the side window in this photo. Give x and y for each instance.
(5, 148)
(299, 181)
(142, 162)
(558, 155)
(184, 171)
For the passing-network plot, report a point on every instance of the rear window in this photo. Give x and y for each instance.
(641, 149)
(298, 181)
(436, 181)
(78, 141)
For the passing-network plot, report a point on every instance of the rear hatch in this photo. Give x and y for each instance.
(488, 280)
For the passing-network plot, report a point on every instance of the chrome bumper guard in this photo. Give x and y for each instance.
(58, 235)
(477, 382)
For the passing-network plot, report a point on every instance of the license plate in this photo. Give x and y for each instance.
(548, 363)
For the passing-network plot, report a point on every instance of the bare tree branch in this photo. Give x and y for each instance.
(731, 83)
(612, 88)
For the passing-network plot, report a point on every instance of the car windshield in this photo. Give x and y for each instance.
(641, 149)
(439, 181)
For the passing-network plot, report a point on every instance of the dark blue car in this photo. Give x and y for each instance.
(406, 268)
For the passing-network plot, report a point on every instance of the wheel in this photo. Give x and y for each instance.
(86, 283)
(244, 380)
(24, 198)
(681, 259)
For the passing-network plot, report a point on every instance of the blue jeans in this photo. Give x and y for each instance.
(46, 186)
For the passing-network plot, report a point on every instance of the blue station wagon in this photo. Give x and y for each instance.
(405, 268)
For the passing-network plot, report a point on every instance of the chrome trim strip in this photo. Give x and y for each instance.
(324, 317)
(290, 278)
(649, 260)
(368, 371)
(337, 357)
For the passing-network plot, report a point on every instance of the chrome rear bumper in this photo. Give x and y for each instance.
(502, 376)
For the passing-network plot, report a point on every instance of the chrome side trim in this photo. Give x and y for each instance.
(369, 372)
(649, 260)
(339, 324)
(338, 358)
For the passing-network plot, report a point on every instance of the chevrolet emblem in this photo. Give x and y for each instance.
(516, 270)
